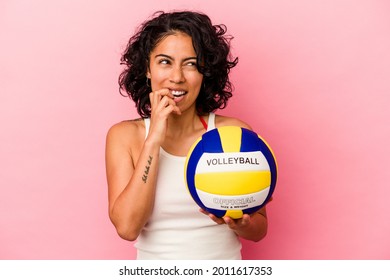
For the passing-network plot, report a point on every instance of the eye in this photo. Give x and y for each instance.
(164, 61)
(191, 63)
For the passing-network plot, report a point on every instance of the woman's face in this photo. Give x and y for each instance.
(173, 66)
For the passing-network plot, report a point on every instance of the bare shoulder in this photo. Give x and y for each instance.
(127, 132)
(225, 121)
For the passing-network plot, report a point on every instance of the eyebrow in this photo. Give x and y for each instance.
(171, 58)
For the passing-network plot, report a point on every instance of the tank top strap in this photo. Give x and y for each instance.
(211, 121)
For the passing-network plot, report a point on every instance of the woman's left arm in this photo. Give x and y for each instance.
(251, 227)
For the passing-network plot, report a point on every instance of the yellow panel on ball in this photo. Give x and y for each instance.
(232, 183)
(230, 138)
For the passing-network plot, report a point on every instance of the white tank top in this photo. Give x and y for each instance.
(176, 229)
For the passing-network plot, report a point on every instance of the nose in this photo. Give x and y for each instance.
(177, 75)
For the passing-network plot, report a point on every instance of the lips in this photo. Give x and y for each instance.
(178, 94)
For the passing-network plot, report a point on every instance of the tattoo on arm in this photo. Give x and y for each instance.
(147, 167)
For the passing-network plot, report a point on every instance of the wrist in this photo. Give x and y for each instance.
(152, 143)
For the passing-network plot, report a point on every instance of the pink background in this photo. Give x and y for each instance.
(313, 80)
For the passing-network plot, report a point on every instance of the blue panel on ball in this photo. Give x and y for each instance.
(253, 209)
(217, 213)
(212, 142)
(249, 141)
(271, 161)
(190, 172)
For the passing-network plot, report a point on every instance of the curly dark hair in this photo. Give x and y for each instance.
(211, 45)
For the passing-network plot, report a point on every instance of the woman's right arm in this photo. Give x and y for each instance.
(131, 185)
(131, 180)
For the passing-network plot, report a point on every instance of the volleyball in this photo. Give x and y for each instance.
(230, 171)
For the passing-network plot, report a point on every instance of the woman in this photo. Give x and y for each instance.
(177, 68)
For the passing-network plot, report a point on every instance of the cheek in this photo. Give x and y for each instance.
(157, 77)
(196, 80)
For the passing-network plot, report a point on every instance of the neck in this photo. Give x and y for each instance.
(182, 132)
(187, 123)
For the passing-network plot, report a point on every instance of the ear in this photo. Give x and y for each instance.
(148, 71)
